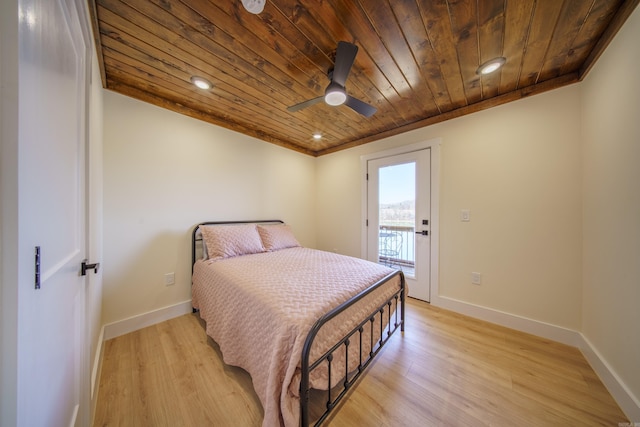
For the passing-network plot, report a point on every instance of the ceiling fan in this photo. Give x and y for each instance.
(336, 94)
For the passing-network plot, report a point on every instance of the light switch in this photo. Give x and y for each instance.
(465, 215)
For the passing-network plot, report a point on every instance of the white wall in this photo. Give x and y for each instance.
(164, 173)
(517, 168)
(611, 188)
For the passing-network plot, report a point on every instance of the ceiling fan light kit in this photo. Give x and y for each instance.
(335, 94)
(254, 6)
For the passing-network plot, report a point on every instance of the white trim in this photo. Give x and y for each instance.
(97, 363)
(74, 416)
(629, 404)
(143, 320)
(96, 374)
(513, 321)
(434, 145)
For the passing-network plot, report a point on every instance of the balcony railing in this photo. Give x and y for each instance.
(396, 246)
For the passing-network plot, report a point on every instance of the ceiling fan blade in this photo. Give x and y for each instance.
(360, 106)
(345, 55)
(304, 104)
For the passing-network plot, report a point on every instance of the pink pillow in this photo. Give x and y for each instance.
(224, 241)
(276, 237)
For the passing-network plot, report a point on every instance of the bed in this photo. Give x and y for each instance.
(301, 322)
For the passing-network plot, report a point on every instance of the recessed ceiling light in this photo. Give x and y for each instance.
(491, 66)
(317, 135)
(201, 82)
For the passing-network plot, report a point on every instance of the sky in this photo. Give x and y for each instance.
(397, 183)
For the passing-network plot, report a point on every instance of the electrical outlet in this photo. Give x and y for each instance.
(476, 278)
(169, 279)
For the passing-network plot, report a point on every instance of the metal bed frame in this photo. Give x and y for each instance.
(390, 305)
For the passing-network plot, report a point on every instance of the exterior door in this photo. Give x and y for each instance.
(398, 216)
(52, 369)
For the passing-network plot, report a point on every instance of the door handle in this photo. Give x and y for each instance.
(84, 267)
(423, 232)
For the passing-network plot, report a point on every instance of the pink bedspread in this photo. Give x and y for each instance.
(259, 309)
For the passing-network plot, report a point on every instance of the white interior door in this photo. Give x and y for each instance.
(51, 324)
(399, 218)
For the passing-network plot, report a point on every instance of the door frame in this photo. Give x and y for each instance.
(434, 145)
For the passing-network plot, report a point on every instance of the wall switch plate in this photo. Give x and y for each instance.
(465, 215)
(476, 278)
(169, 279)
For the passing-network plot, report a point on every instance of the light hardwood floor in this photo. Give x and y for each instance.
(445, 370)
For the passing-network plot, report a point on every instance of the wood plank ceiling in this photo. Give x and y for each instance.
(416, 62)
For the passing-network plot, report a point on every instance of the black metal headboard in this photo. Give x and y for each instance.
(196, 238)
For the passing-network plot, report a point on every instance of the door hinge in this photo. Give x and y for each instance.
(37, 267)
(367, 222)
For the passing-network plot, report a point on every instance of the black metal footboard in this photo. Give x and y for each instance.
(308, 366)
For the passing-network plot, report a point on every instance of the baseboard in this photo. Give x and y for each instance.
(140, 321)
(629, 403)
(620, 392)
(523, 324)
